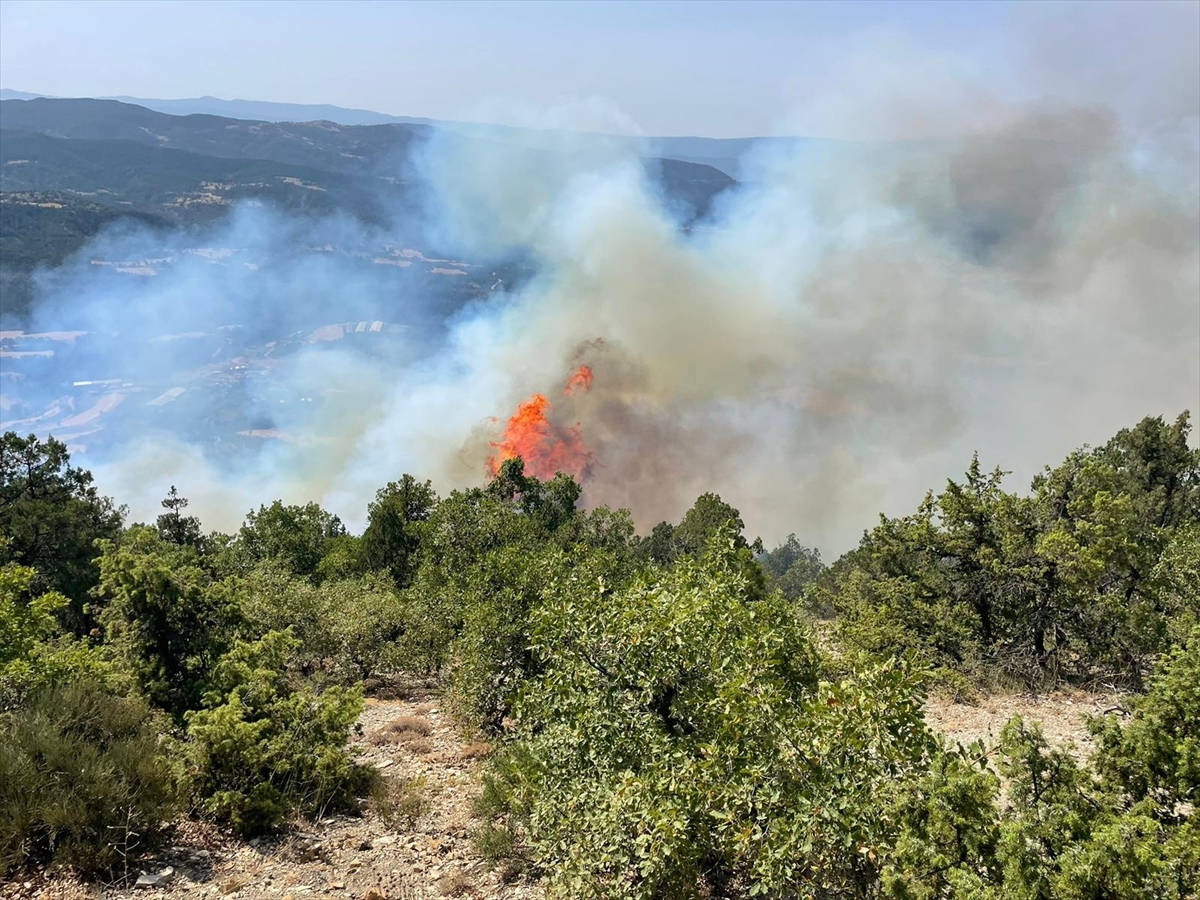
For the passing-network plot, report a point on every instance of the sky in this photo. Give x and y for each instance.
(844, 70)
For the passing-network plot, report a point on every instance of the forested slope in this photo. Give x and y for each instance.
(666, 721)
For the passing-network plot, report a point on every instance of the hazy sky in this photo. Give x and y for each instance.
(710, 68)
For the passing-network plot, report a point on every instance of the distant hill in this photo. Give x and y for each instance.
(267, 111)
(371, 149)
(259, 110)
(9, 94)
(43, 229)
(70, 167)
(721, 153)
(359, 150)
(132, 173)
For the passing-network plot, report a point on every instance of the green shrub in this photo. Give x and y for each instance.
(166, 621)
(948, 829)
(500, 838)
(1122, 829)
(394, 524)
(791, 567)
(83, 780)
(266, 746)
(487, 558)
(679, 742)
(461, 533)
(296, 537)
(343, 559)
(366, 620)
(491, 656)
(1064, 837)
(348, 629)
(1092, 574)
(34, 650)
(1156, 757)
(51, 514)
(1177, 577)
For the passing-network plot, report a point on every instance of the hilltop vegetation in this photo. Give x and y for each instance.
(335, 148)
(45, 227)
(149, 177)
(668, 723)
(102, 160)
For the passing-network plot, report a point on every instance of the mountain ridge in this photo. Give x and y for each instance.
(720, 152)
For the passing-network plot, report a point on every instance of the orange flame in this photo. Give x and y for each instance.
(580, 380)
(545, 447)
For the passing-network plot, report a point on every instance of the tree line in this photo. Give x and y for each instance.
(678, 714)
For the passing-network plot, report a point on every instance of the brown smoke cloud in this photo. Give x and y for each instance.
(847, 331)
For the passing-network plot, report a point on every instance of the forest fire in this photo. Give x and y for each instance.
(545, 447)
(580, 380)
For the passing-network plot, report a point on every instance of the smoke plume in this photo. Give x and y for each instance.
(840, 333)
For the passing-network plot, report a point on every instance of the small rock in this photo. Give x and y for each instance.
(365, 845)
(156, 879)
(309, 847)
(374, 894)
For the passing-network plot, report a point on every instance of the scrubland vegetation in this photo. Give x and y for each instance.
(680, 714)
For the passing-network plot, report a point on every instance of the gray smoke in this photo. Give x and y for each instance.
(842, 332)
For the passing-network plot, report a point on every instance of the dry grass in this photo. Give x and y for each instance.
(1063, 716)
(457, 885)
(417, 746)
(411, 731)
(401, 802)
(475, 750)
(417, 724)
(236, 883)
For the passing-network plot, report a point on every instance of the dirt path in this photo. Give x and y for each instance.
(422, 852)
(1062, 715)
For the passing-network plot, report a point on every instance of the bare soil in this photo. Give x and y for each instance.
(1063, 716)
(357, 858)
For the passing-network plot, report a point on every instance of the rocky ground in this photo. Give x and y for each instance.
(421, 849)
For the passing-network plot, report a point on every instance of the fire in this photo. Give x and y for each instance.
(580, 380)
(545, 447)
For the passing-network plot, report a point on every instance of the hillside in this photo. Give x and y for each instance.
(177, 181)
(722, 153)
(338, 148)
(348, 149)
(104, 159)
